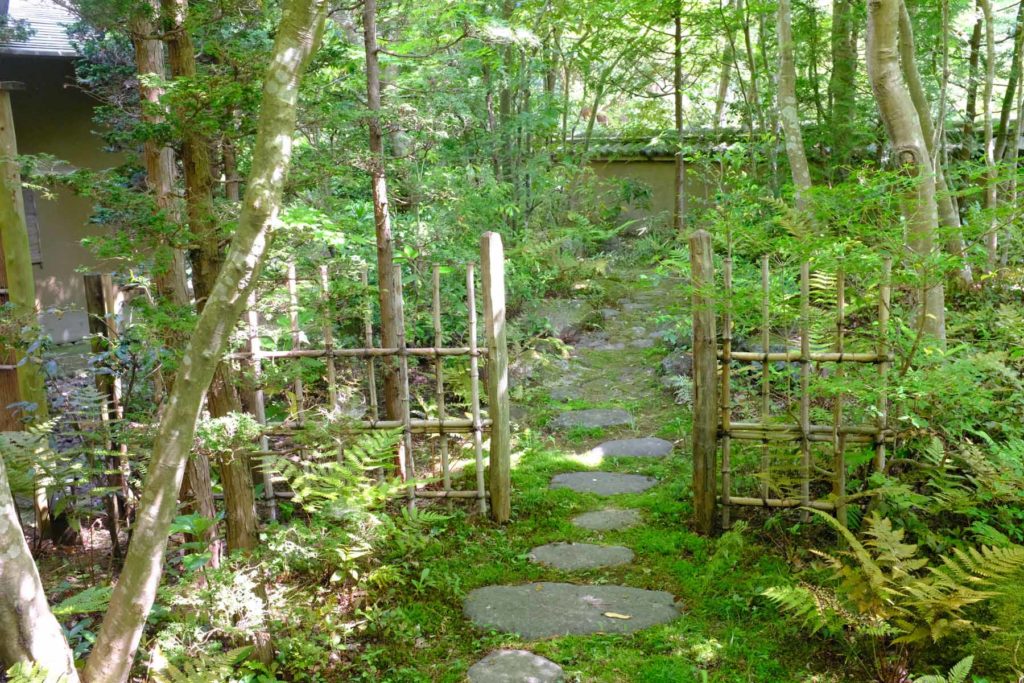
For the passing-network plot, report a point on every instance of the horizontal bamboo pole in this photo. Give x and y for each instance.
(795, 357)
(781, 503)
(448, 426)
(817, 437)
(431, 493)
(358, 353)
(812, 429)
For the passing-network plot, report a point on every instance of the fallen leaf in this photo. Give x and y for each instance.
(616, 615)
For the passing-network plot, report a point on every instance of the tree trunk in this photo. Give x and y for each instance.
(842, 86)
(726, 73)
(297, 38)
(1009, 101)
(679, 213)
(903, 126)
(949, 216)
(789, 108)
(387, 287)
(992, 234)
(28, 630)
(207, 261)
(971, 98)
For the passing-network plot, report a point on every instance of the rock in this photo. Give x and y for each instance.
(546, 610)
(677, 363)
(580, 556)
(607, 520)
(564, 393)
(648, 447)
(609, 313)
(518, 413)
(591, 418)
(514, 666)
(602, 483)
(564, 317)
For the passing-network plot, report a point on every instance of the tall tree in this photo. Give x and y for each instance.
(842, 86)
(679, 207)
(903, 127)
(789, 109)
(991, 190)
(298, 36)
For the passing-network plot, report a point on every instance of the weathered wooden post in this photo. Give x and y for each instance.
(705, 376)
(492, 263)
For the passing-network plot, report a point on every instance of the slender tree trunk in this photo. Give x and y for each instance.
(679, 212)
(297, 38)
(1009, 101)
(28, 630)
(991, 192)
(207, 261)
(842, 86)
(726, 73)
(789, 108)
(903, 126)
(812, 68)
(387, 287)
(971, 97)
(949, 216)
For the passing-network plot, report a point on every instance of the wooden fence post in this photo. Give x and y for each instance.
(492, 263)
(705, 375)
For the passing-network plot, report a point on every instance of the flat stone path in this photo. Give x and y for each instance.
(514, 666)
(602, 483)
(580, 556)
(546, 610)
(648, 447)
(607, 520)
(592, 418)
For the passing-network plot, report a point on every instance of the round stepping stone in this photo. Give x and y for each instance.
(602, 483)
(545, 610)
(593, 417)
(607, 520)
(580, 556)
(648, 447)
(514, 666)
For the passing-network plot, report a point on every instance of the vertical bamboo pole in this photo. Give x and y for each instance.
(332, 371)
(446, 475)
(726, 392)
(766, 373)
(371, 374)
(492, 271)
(259, 404)
(884, 296)
(474, 388)
(805, 382)
(407, 463)
(705, 375)
(293, 317)
(838, 437)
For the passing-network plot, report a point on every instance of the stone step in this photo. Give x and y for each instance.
(647, 447)
(592, 418)
(602, 483)
(515, 666)
(607, 520)
(545, 610)
(580, 556)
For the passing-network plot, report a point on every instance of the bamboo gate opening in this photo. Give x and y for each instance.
(713, 403)
(492, 492)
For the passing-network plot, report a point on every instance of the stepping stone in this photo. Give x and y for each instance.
(514, 666)
(602, 483)
(607, 520)
(648, 447)
(594, 417)
(546, 610)
(580, 556)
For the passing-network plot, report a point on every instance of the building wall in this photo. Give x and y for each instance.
(51, 116)
(659, 175)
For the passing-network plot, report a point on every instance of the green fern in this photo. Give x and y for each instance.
(217, 668)
(958, 674)
(92, 599)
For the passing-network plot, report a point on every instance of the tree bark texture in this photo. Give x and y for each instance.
(789, 108)
(297, 38)
(991, 192)
(903, 126)
(842, 86)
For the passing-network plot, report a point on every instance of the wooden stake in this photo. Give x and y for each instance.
(705, 375)
(884, 296)
(260, 405)
(726, 393)
(293, 317)
(766, 372)
(492, 266)
(446, 475)
(371, 378)
(328, 332)
(805, 381)
(407, 464)
(839, 438)
(474, 388)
